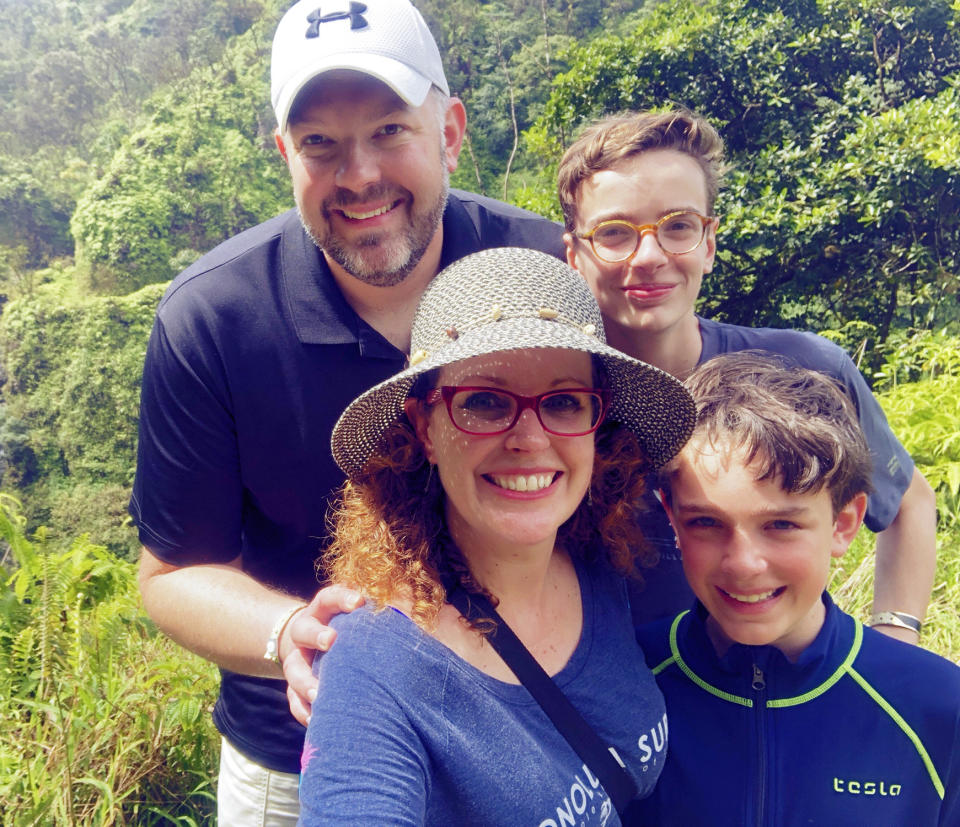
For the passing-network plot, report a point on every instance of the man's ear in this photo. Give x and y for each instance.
(847, 524)
(570, 242)
(454, 129)
(278, 140)
(419, 417)
(711, 242)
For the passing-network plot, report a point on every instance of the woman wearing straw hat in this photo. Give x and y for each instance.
(499, 474)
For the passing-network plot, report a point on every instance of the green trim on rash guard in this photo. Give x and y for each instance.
(777, 703)
(706, 687)
(660, 667)
(845, 668)
(879, 747)
(842, 669)
(907, 730)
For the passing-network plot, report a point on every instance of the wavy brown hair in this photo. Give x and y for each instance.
(390, 536)
(607, 142)
(794, 425)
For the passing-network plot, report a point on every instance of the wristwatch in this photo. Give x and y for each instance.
(901, 620)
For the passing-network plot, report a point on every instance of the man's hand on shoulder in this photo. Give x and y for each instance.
(306, 633)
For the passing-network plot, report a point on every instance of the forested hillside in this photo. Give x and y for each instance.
(137, 134)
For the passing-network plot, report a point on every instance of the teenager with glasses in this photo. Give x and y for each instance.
(638, 193)
(507, 461)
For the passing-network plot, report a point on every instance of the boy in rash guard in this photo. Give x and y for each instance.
(783, 709)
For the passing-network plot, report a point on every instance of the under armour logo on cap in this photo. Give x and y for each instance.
(387, 40)
(355, 15)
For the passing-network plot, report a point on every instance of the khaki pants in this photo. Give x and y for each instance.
(249, 795)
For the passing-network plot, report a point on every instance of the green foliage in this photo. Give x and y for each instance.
(32, 217)
(77, 506)
(500, 58)
(73, 80)
(924, 416)
(104, 721)
(74, 373)
(851, 585)
(69, 424)
(872, 233)
(840, 119)
(202, 169)
(65, 66)
(925, 354)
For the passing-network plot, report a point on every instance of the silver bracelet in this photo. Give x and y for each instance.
(901, 620)
(273, 642)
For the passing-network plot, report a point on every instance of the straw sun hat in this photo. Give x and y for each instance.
(505, 299)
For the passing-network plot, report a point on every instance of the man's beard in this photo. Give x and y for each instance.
(381, 259)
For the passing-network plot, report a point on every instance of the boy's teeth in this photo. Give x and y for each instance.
(530, 482)
(371, 214)
(752, 598)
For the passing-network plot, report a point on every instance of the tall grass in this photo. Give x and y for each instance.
(852, 589)
(102, 720)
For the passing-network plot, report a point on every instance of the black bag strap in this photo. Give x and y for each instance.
(569, 723)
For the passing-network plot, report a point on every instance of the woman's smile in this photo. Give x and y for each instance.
(517, 487)
(523, 482)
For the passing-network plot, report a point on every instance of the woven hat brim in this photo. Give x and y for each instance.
(649, 401)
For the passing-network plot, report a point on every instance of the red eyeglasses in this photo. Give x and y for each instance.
(486, 411)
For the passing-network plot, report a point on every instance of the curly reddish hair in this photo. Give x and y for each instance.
(390, 537)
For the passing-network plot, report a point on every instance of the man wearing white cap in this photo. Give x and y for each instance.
(259, 346)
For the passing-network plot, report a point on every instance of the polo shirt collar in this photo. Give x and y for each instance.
(320, 313)
(460, 234)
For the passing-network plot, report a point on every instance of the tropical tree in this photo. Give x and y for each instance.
(201, 169)
(839, 118)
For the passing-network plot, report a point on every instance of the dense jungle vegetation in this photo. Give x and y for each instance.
(137, 134)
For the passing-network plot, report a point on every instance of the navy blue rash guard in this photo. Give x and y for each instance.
(861, 729)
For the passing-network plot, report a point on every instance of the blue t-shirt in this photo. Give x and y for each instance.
(254, 355)
(665, 590)
(405, 732)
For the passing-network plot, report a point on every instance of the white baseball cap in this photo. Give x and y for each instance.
(386, 39)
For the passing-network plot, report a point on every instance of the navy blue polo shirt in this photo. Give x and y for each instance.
(253, 356)
(665, 591)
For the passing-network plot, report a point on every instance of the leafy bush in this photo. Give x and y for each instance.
(841, 120)
(924, 416)
(75, 507)
(922, 354)
(202, 168)
(69, 426)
